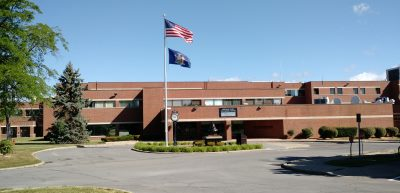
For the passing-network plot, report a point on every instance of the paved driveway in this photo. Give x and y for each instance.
(241, 172)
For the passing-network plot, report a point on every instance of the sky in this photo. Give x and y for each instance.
(234, 40)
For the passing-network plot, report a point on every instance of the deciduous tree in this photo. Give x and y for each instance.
(23, 46)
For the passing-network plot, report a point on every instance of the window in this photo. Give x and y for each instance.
(339, 90)
(302, 92)
(250, 101)
(355, 90)
(362, 90)
(277, 101)
(3, 130)
(232, 102)
(316, 90)
(179, 103)
(103, 104)
(209, 102)
(218, 102)
(264, 101)
(222, 102)
(378, 90)
(294, 92)
(129, 104)
(33, 112)
(332, 90)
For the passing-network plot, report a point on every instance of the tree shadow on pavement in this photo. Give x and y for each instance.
(317, 166)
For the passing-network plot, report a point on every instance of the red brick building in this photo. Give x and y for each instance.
(257, 109)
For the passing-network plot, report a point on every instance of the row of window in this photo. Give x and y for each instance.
(295, 92)
(224, 102)
(339, 91)
(111, 104)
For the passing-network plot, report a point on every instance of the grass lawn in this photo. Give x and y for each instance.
(24, 148)
(63, 190)
(365, 160)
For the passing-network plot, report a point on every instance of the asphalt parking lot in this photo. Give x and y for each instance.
(253, 171)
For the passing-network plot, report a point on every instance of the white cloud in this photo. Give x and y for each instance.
(360, 8)
(367, 76)
(226, 79)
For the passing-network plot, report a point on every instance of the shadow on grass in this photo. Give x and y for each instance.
(375, 166)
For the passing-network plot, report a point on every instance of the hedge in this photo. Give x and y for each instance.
(154, 147)
(306, 133)
(368, 132)
(327, 132)
(120, 138)
(346, 131)
(380, 132)
(392, 131)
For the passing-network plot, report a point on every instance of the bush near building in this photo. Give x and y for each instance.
(290, 133)
(120, 138)
(306, 133)
(346, 131)
(158, 147)
(392, 131)
(327, 132)
(380, 132)
(6, 147)
(368, 132)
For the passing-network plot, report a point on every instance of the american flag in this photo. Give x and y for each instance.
(174, 30)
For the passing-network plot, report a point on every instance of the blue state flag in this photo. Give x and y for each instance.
(178, 58)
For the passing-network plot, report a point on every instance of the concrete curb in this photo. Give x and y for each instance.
(311, 172)
(98, 187)
(108, 144)
(41, 162)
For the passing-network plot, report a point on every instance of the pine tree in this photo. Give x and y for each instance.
(69, 127)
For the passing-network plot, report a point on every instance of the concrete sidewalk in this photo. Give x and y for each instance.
(318, 166)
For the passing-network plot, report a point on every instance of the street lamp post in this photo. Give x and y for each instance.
(174, 118)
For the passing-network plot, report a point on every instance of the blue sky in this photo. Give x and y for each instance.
(248, 40)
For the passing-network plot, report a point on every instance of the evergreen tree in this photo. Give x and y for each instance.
(69, 127)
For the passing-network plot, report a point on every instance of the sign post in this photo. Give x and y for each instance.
(359, 135)
(351, 140)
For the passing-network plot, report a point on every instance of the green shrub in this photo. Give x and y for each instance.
(258, 146)
(346, 131)
(290, 133)
(219, 143)
(155, 147)
(380, 132)
(210, 143)
(6, 147)
(306, 133)
(392, 131)
(368, 132)
(230, 143)
(198, 143)
(327, 132)
(120, 138)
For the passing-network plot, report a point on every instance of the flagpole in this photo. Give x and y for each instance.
(165, 89)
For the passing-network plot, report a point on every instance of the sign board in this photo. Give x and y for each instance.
(228, 112)
(358, 118)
